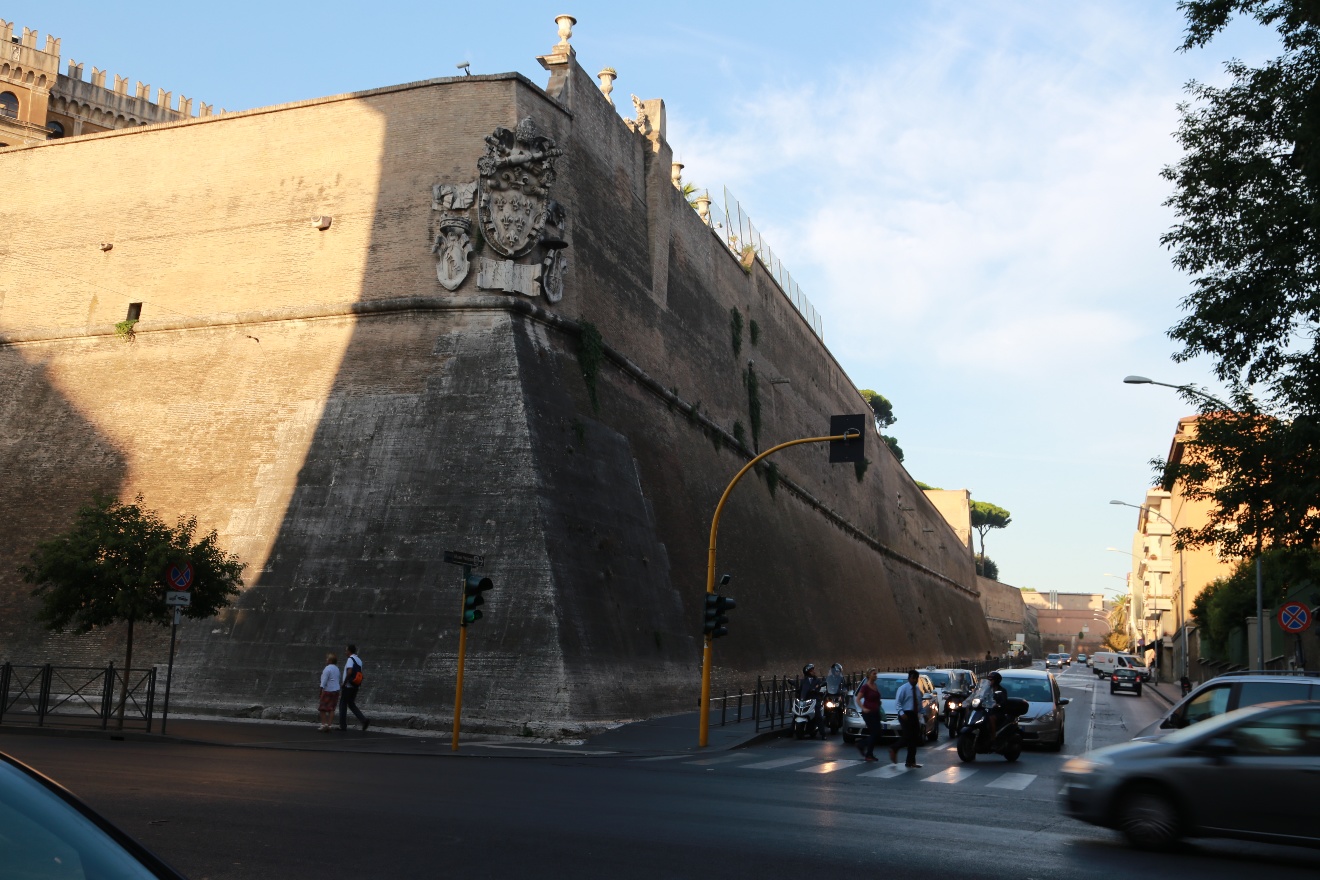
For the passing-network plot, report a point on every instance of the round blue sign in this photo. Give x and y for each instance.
(179, 576)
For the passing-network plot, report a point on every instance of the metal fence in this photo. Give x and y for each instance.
(75, 696)
(738, 233)
(769, 705)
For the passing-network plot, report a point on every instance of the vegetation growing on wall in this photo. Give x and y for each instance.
(124, 330)
(736, 330)
(591, 354)
(755, 329)
(772, 478)
(753, 405)
(740, 433)
(859, 468)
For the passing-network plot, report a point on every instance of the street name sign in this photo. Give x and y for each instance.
(453, 557)
(1295, 618)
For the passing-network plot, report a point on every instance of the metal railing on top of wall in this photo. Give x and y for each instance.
(737, 232)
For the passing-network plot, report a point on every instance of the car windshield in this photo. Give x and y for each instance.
(37, 828)
(888, 687)
(938, 679)
(1033, 690)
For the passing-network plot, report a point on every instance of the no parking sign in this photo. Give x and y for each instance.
(1294, 618)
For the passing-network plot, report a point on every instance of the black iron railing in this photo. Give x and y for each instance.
(76, 696)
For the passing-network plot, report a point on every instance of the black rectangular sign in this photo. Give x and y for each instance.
(470, 559)
(853, 449)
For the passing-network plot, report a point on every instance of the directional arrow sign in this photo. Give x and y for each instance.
(1294, 617)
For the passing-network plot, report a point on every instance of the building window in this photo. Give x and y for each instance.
(9, 105)
(134, 312)
(55, 131)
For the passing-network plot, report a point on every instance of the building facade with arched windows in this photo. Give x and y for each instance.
(39, 103)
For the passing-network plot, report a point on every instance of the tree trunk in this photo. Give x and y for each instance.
(128, 669)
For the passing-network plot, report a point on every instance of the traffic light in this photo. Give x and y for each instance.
(716, 618)
(473, 586)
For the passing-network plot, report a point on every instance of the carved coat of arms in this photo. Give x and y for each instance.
(516, 174)
(516, 217)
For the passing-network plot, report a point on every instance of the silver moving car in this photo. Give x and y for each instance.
(1043, 722)
(1233, 691)
(1250, 773)
(887, 683)
(1054, 660)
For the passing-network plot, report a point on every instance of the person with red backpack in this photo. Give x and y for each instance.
(352, 682)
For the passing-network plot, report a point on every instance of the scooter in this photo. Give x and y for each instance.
(953, 712)
(834, 712)
(806, 720)
(975, 738)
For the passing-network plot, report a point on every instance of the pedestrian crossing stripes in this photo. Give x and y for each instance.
(958, 774)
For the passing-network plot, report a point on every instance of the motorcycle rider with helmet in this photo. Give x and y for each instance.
(834, 681)
(998, 697)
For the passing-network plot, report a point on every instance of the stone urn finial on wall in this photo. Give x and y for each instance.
(676, 175)
(703, 207)
(565, 23)
(607, 77)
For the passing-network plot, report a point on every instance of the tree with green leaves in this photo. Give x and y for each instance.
(987, 567)
(1227, 602)
(110, 568)
(1247, 201)
(1260, 475)
(881, 408)
(987, 516)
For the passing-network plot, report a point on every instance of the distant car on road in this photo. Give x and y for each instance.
(49, 833)
(1083, 660)
(1233, 691)
(1125, 680)
(1042, 723)
(1250, 773)
(1054, 661)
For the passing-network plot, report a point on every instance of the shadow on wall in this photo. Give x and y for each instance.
(52, 460)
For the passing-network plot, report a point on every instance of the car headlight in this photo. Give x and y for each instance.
(1083, 765)
(853, 713)
(1043, 716)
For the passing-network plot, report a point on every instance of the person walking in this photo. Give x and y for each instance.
(352, 683)
(908, 703)
(868, 700)
(329, 691)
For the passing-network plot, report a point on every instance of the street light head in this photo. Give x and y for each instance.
(1137, 380)
(1120, 503)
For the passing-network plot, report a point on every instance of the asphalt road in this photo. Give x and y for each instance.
(248, 813)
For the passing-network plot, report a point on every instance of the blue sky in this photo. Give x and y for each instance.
(969, 194)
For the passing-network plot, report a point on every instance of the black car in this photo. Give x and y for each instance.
(1125, 680)
(46, 832)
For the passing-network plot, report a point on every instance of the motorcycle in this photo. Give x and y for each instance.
(975, 738)
(953, 712)
(834, 711)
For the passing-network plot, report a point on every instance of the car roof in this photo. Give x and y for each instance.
(1024, 673)
(1256, 675)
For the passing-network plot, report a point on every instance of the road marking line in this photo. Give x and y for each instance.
(663, 758)
(1090, 728)
(777, 762)
(1013, 781)
(889, 771)
(951, 748)
(535, 749)
(951, 775)
(722, 759)
(829, 766)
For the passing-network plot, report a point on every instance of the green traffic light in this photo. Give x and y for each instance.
(473, 586)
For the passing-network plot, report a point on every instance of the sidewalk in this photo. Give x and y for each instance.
(1167, 691)
(675, 734)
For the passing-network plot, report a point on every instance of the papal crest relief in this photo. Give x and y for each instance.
(516, 216)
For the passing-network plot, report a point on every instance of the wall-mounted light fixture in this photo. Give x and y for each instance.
(105, 246)
(322, 221)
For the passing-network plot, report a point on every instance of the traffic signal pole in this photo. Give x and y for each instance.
(462, 653)
(707, 652)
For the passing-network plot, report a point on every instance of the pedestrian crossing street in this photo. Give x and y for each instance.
(994, 773)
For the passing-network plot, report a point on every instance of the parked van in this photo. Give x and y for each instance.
(1103, 663)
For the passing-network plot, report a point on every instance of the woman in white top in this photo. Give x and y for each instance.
(329, 691)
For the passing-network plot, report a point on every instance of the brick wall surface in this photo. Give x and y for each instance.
(342, 420)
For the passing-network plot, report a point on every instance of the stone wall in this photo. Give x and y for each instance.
(342, 419)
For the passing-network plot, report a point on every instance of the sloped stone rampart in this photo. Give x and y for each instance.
(342, 420)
